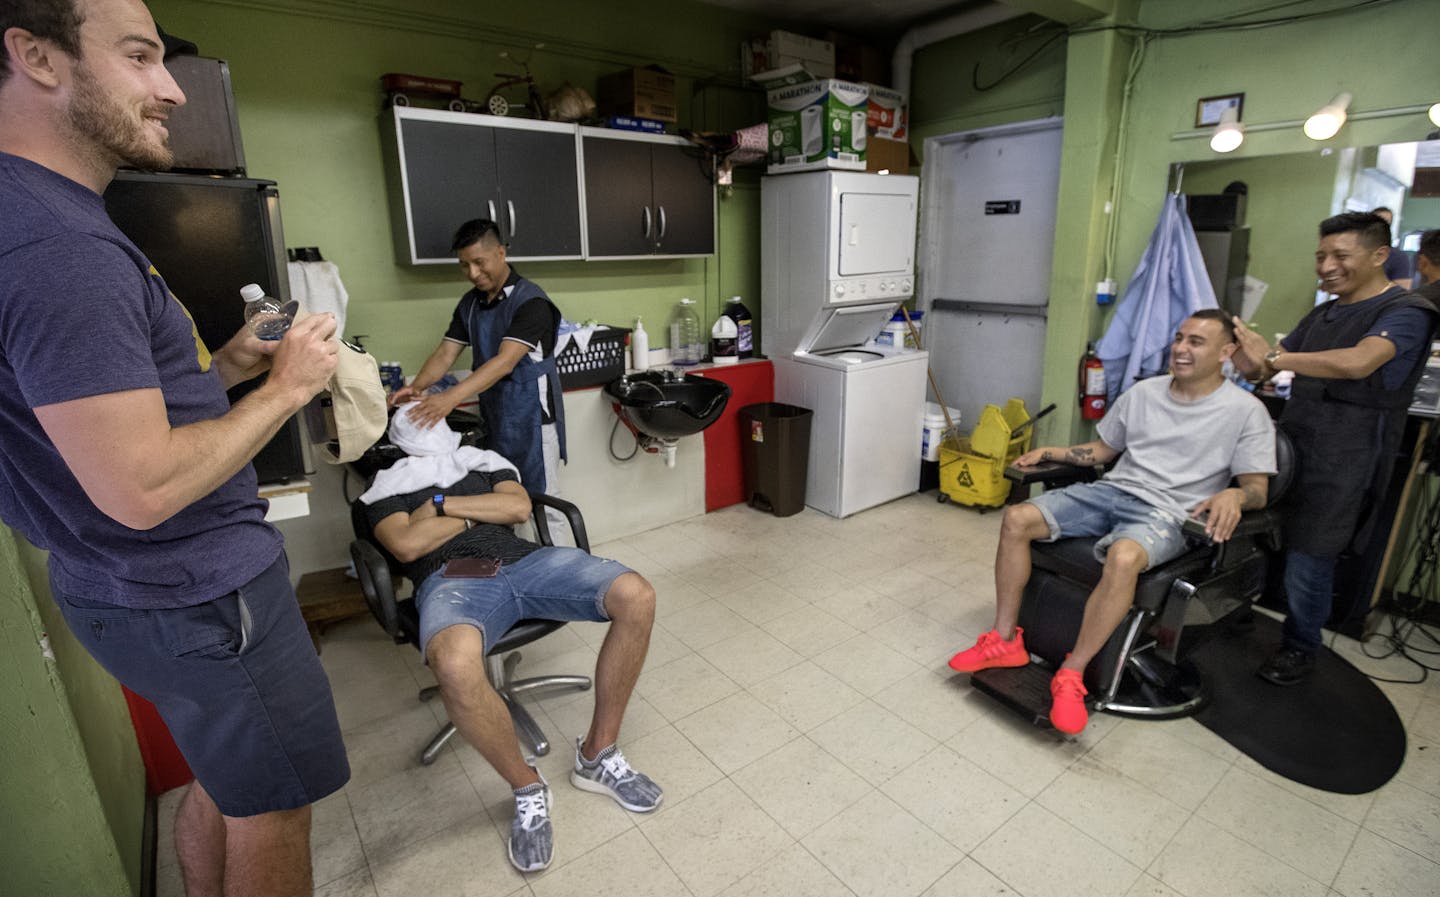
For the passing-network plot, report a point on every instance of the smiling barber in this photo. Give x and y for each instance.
(510, 326)
(1356, 361)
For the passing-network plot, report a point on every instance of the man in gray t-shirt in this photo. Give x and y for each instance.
(1183, 437)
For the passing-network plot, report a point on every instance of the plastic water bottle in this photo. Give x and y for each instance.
(267, 317)
(736, 311)
(685, 345)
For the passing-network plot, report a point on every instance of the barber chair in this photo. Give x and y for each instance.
(1142, 671)
(379, 572)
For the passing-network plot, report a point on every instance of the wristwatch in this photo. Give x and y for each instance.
(439, 502)
(1273, 356)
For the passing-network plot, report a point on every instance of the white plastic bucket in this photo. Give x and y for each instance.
(934, 430)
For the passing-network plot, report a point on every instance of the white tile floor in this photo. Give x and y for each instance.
(797, 709)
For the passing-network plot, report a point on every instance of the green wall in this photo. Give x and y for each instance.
(306, 80)
(71, 775)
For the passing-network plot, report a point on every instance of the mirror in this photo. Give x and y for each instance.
(1290, 194)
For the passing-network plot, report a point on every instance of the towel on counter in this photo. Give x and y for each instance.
(436, 459)
(580, 334)
(317, 285)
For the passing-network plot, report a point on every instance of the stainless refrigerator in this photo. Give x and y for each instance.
(208, 237)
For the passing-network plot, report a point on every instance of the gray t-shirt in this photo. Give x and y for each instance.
(1176, 453)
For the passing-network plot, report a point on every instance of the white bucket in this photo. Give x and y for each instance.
(934, 430)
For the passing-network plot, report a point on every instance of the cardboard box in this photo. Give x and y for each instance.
(817, 56)
(889, 113)
(887, 155)
(638, 93)
(819, 124)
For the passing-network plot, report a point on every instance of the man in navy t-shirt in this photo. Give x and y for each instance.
(1356, 361)
(120, 455)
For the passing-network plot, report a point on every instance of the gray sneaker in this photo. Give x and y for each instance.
(609, 774)
(532, 838)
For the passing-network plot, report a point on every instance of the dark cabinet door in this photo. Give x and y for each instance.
(539, 207)
(684, 201)
(618, 214)
(449, 179)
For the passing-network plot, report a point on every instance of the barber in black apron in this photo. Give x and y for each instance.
(1356, 361)
(510, 326)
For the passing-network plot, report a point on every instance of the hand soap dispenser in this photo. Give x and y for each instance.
(639, 347)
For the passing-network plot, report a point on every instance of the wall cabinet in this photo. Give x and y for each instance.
(646, 195)
(556, 191)
(451, 167)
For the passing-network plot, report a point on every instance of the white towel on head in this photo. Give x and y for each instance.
(436, 459)
(317, 285)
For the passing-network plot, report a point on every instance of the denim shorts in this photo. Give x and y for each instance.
(238, 683)
(1100, 509)
(549, 584)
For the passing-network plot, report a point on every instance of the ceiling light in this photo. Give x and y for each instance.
(1326, 123)
(1435, 115)
(1229, 133)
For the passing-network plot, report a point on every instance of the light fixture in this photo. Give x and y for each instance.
(1326, 123)
(1229, 133)
(1435, 115)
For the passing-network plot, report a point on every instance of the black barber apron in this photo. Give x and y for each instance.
(1346, 432)
(513, 415)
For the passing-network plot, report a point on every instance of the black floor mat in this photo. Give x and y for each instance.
(1336, 731)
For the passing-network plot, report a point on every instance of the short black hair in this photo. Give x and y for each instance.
(473, 231)
(1216, 314)
(52, 20)
(1369, 227)
(1430, 246)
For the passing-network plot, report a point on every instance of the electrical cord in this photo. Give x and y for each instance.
(1408, 632)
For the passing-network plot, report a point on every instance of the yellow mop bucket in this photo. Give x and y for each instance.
(972, 468)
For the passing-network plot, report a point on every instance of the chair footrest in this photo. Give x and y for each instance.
(1026, 690)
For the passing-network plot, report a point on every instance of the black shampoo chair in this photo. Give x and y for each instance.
(379, 572)
(1142, 670)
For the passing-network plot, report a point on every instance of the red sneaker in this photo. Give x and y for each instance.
(1067, 704)
(992, 651)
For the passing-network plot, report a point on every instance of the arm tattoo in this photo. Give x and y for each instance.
(1080, 455)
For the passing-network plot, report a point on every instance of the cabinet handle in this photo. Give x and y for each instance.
(490, 203)
(661, 235)
(647, 221)
(510, 205)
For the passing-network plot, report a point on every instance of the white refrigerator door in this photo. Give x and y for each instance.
(881, 432)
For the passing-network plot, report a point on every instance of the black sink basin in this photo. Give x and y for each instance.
(663, 404)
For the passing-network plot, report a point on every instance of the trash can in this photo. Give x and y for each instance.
(775, 449)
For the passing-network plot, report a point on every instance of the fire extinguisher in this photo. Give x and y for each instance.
(1092, 385)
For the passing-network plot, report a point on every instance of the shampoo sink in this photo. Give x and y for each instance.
(666, 404)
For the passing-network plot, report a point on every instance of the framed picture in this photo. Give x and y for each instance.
(1209, 109)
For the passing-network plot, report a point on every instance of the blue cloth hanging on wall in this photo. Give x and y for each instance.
(1169, 285)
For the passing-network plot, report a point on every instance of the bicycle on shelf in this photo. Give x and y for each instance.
(497, 104)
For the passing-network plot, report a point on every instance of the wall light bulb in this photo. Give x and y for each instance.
(1229, 134)
(1435, 115)
(1327, 122)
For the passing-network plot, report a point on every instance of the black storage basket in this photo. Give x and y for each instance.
(602, 362)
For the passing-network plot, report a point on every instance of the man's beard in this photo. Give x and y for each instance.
(97, 117)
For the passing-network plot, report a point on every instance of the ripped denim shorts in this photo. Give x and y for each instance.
(1100, 509)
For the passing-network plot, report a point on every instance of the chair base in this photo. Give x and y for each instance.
(1149, 688)
(501, 670)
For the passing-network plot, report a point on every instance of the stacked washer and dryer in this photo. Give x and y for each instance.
(837, 260)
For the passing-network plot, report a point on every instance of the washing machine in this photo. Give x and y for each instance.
(869, 407)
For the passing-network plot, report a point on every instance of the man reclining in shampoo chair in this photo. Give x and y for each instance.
(1183, 437)
(475, 579)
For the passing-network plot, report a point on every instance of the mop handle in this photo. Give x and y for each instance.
(915, 335)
